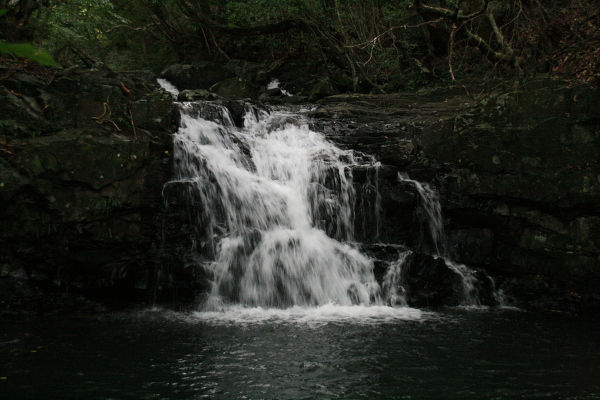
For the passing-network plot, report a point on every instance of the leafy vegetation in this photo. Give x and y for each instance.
(381, 45)
(26, 50)
(106, 205)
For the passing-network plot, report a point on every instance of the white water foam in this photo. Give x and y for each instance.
(169, 87)
(310, 316)
(275, 84)
(277, 203)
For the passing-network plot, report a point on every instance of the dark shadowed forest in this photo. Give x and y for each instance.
(370, 45)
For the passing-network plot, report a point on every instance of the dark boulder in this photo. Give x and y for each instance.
(81, 186)
(201, 75)
(249, 71)
(194, 95)
(322, 88)
(294, 99)
(294, 79)
(429, 282)
(236, 88)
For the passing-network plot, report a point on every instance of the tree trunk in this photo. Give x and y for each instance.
(13, 24)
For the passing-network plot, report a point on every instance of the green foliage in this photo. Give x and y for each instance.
(150, 34)
(257, 12)
(383, 42)
(79, 24)
(106, 205)
(27, 50)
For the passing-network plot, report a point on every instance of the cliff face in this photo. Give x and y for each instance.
(84, 159)
(85, 155)
(518, 173)
(525, 168)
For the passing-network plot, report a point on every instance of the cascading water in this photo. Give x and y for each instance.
(392, 281)
(277, 203)
(169, 87)
(275, 84)
(431, 206)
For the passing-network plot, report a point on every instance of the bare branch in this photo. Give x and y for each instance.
(455, 15)
(372, 41)
(143, 28)
(492, 54)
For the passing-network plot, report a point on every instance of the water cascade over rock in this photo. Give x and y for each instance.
(274, 207)
(432, 219)
(277, 206)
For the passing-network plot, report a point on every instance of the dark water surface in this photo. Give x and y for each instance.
(455, 354)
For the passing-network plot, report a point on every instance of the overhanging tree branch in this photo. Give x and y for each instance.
(456, 14)
(505, 53)
(278, 27)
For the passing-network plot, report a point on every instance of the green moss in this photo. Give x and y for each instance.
(106, 205)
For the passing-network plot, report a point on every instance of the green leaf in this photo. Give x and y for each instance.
(26, 50)
(2, 12)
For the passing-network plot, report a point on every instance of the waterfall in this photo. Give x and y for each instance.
(392, 281)
(431, 208)
(276, 203)
(271, 209)
(169, 87)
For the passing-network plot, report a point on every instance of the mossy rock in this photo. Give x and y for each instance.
(200, 75)
(236, 88)
(323, 88)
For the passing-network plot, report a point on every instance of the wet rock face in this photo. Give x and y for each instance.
(85, 157)
(80, 198)
(429, 282)
(196, 76)
(527, 161)
(235, 88)
(518, 174)
(537, 145)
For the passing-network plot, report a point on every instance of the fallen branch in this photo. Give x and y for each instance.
(101, 119)
(124, 88)
(131, 119)
(143, 28)
(492, 54)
